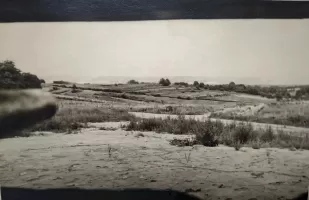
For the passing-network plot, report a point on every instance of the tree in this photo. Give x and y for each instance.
(232, 86)
(74, 88)
(278, 96)
(13, 78)
(167, 82)
(31, 81)
(201, 85)
(133, 82)
(182, 84)
(196, 84)
(164, 82)
(298, 95)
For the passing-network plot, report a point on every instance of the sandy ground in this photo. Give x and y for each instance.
(119, 159)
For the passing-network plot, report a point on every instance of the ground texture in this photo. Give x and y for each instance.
(97, 158)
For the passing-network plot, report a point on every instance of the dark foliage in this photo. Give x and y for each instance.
(13, 78)
(164, 82)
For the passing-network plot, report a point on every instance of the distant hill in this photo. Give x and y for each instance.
(155, 79)
(188, 79)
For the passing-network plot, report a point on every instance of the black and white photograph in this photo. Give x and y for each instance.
(121, 100)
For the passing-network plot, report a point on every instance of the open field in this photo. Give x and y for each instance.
(153, 98)
(103, 136)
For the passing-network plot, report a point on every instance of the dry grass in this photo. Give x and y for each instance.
(176, 110)
(75, 115)
(210, 133)
(290, 114)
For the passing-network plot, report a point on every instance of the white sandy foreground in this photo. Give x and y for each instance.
(119, 159)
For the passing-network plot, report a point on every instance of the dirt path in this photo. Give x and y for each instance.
(290, 129)
(117, 159)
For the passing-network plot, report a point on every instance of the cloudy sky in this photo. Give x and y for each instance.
(276, 50)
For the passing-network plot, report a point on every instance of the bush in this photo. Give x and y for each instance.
(133, 82)
(13, 78)
(183, 142)
(74, 89)
(208, 134)
(256, 144)
(61, 82)
(243, 133)
(202, 85)
(268, 135)
(164, 82)
(182, 84)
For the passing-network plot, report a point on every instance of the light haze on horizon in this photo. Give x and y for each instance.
(268, 50)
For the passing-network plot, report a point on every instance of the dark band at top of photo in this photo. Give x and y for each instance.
(136, 10)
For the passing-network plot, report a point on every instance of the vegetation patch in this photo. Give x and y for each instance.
(292, 120)
(210, 133)
(68, 118)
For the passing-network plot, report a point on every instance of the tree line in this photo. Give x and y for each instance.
(277, 92)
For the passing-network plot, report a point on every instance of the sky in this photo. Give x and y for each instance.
(276, 51)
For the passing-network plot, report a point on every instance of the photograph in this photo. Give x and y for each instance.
(154, 109)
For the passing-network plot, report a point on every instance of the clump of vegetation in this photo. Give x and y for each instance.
(269, 92)
(290, 120)
(164, 82)
(212, 133)
(256, 144)
(74, 89)
(243, 133)
(182, 84)
(196, 84)
(75, 118)
(13, 78)
(183, 142)
(208, 133)
(61, 82)
(133, 82)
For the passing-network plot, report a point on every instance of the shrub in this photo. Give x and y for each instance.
(61, 82)
(74, 89)
(256, 144)
(202, 85)
(133, 82)
(183, 142)
(208, 132)
(13, 78)
(164, 82)
(268, 135)
(237, 145)
(243, 133)
(182, 84)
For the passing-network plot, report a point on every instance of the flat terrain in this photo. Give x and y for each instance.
(97, 158)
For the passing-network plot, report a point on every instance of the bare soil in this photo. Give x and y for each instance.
(118, 159)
